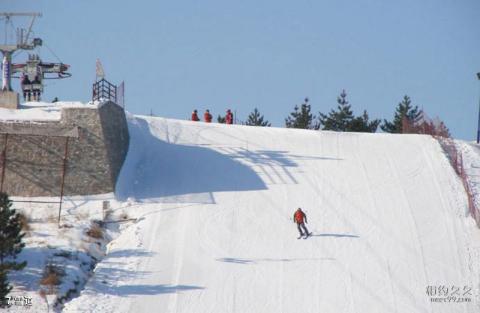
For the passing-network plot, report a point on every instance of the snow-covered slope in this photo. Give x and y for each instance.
(388, 216)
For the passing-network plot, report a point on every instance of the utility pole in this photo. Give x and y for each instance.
(7, 96)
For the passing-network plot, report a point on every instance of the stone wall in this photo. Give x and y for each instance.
(97, 146)
(9, 99)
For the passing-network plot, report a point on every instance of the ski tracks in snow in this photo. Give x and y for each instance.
(182, 223)
(374, 240)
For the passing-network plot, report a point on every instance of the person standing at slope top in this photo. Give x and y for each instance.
(300, 218)
(207, 116)
(229, 117)
(195, 116)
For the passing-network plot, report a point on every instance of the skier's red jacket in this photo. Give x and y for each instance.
(195, 117)
(207, 117)
(229, 118)
(299, 216)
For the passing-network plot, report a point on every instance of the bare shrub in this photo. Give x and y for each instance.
(95, 231)
(24, 222)
(52, 276)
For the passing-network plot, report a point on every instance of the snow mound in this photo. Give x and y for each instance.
(42, 111)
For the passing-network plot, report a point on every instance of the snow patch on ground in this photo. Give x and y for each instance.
(68, 248)
(42, 111)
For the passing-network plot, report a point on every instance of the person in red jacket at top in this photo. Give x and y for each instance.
(229, 117)
(300, 218)
(195, 116)
(207, 116)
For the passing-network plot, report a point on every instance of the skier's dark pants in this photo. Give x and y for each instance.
(300, 226)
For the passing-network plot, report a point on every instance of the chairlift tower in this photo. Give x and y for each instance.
(9, 98)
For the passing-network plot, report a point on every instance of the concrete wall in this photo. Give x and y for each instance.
(9, 99)
(97, 146)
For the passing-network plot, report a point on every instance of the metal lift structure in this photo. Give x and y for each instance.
(33, 71)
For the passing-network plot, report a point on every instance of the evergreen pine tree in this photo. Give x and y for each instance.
(256, 119)
(5, 288)
(363, 124)
(301, 117)
(10, 243)
(341, 119)
(221, 119)
(404, 110)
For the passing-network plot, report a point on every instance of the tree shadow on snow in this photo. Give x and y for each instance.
(112, 270)
(107, 282)
(274, 165)
(161, 171)
(263, 260)
(28, 278)
(129, 253)
(37, 257)
(130, 290)
(157, 169)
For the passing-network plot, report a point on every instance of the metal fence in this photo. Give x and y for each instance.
(456, 160)
(437, 129)
(104, 90)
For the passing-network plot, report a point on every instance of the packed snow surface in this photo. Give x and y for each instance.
(215, 232)
(41, 111)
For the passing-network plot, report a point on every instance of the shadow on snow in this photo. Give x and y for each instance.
(335, 235)
(158, 169)
(264, 260)
(130, 290)
(162, 171)
(111, 271)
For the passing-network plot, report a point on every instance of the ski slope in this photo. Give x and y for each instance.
(215, 231)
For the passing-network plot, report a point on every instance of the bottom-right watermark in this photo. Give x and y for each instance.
(449, 294)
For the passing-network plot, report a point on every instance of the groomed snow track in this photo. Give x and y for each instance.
(215, 231)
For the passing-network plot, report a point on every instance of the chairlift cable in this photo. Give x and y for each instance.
(51, 51)
(13, 27)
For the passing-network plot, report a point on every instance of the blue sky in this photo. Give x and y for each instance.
(175, 56)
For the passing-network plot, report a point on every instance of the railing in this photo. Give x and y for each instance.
(104, 90)
(439, 131)
(456, 159)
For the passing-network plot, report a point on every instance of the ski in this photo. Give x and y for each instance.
(308, 235)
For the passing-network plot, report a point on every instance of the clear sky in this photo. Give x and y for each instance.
(175, 56)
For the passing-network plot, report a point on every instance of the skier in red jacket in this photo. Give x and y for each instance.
(229, 117)
(207, 116)
(300, 218)
(195, 116)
